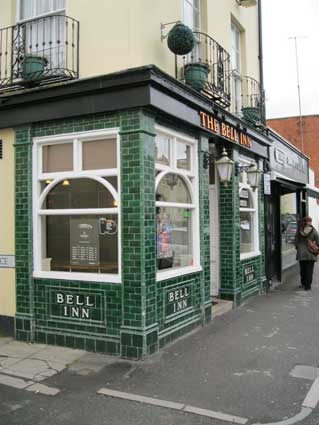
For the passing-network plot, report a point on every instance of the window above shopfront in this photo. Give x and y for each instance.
(76, 206)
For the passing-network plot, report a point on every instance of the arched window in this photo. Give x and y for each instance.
(176, 204)
(76, 214)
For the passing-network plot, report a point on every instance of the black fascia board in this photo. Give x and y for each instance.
(131, 88)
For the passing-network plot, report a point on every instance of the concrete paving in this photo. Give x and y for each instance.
(257, 363)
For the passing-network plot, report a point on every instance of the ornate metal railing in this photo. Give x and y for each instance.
(207, 69)
(38, 51)
(252, 100)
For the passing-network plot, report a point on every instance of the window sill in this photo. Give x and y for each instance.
(249, 255)
(85, 277)
(169, 274)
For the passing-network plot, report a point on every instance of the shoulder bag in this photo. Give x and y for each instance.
(313, 247)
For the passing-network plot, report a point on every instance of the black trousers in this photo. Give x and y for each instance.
(306, 272)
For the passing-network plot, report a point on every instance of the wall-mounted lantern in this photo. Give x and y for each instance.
(224, 167)
(253, 174)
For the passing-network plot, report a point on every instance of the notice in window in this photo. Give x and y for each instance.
(84, 242)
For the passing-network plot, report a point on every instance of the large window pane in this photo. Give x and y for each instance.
(172, 188)
(174, 238)
(86, 243)
(246, 232)
(57, 158)
(288, 218)
(183, 156)
(79, 193)
(162, 147)
(99, 154)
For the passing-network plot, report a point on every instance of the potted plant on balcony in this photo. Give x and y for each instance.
(251, 113)
(33, 67)
(196, 75)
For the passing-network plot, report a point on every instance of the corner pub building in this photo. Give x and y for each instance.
(123, 228)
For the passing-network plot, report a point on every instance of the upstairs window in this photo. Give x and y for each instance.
(29, 9)
(43, 31)
(236, 69)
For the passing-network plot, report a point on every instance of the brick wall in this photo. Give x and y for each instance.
(289, 128)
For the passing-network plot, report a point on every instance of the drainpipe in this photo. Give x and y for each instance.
(260, 57)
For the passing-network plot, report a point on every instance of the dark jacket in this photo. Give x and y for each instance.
(304, 233)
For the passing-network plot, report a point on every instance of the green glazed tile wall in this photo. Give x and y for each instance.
(232, 283)
(133, 312)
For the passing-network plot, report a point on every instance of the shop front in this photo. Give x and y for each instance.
(237, 229)
(286, 204)
(113, 236)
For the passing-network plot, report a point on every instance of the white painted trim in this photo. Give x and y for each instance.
(111, 172)
(37, 176)
(174, 205)
(172, 133)
(170, 273)
(255, 210)
(191, 179)
(103, 182)
(247, 255)
(86, 211)
(87, 277)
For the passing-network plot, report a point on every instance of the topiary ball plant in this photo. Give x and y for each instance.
(180, 39)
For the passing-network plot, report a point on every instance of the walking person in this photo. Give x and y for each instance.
(305, 257)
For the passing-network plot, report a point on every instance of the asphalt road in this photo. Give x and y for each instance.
(240, 364)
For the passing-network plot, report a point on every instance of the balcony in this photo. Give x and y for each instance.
(247, 99)
(207, 68)
(39, 51)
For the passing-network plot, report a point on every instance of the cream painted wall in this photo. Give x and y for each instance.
(126, 34)
(123, 34)
(220, 16)
(7, 246)
(7, 13)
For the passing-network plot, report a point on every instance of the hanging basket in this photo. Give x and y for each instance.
(33, 67)
(180, 39)
(195, 75)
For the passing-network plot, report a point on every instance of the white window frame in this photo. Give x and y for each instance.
(190, 177)
(34, 15)
(196, 15)
(236, 69)
(255, 210)
(39, 176)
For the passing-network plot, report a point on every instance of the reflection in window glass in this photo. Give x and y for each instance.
(81, 243)
(162, 147)
(174, 238)
(288, 218)
(183, 156)
(172, 188)
(79, 193)
(246, 232)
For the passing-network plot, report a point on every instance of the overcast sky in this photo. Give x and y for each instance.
(283, 19)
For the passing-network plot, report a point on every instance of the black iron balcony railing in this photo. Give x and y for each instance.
(41, 50)
(207, 69)
(252, 100)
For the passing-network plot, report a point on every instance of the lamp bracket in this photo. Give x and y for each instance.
(163, 27)
(240, 168)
